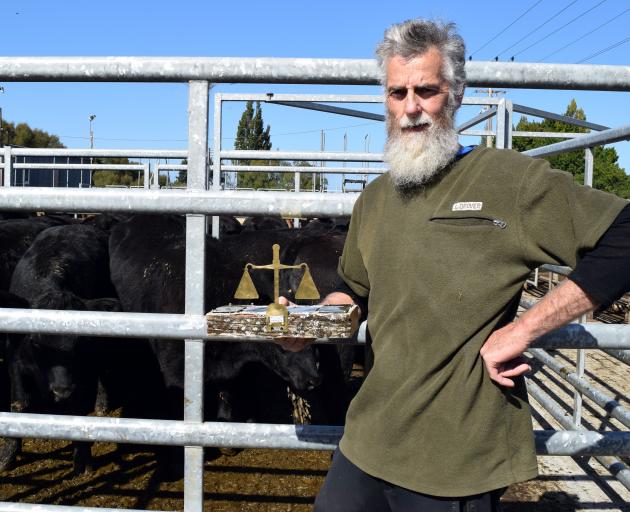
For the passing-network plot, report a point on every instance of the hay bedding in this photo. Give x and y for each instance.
(261, 480)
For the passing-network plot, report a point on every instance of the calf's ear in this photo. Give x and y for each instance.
(104, 304)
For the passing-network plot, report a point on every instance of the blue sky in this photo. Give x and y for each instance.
(154, 115)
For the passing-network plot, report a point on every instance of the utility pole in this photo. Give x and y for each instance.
(345, 149)
(491, 92)
(322, 148)
(2, 91)
(91, 118)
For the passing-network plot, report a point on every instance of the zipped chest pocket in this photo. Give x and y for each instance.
(471, 221)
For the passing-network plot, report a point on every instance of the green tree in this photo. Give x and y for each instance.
(22, 135)
(607, 174)
(115, 177)
(251, 135)
(306, 178)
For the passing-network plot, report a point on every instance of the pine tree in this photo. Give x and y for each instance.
(607, 175)
(251, 135)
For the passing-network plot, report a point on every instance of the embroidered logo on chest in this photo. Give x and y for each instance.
(467, 206)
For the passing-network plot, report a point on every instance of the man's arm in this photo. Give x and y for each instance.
(601, 276)
(502, 351)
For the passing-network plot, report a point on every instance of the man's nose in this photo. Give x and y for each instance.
(412, 104)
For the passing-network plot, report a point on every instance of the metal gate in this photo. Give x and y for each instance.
(197, 202)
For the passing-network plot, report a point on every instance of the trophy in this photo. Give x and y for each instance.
(278, 320)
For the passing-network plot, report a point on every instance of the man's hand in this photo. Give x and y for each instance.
(298, 344)
(288, 343)
(502, 351)
(501, 354)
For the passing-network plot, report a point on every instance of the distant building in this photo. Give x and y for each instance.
(75, 178)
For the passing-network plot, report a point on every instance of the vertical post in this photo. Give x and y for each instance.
(579, 370)
(6, 178)
(147, 176)
(345, 149)
(216, 163)
(504, 124)
(588, 167)
(195, 287)
(296, 183)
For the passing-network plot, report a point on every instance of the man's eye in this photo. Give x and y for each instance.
(426, 92)
(398, 94)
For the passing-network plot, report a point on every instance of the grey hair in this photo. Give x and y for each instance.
(414, 37)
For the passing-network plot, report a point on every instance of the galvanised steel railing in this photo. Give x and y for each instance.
(197, 201)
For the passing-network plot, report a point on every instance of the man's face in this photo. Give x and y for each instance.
(421, 139)
(415, 87)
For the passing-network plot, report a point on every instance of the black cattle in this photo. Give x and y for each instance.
(65, 268)
(256, 247)
(229, 225)
(321, 251)
(7, 300)
(147, 256)
(264, 222)
(16, 236)
(327, 224)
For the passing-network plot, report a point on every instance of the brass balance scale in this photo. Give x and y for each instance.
(278, 320)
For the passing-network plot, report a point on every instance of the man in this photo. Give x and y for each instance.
(437, 252)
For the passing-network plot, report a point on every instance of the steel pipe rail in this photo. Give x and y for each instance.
(621, 355)
(582, 443)
(95, 167)
(308, 105)
(606, 402)
(548, 135)
(305, 170)
(588, 141)
(171, 167)
(327, 156)
(301, 71)
(477, 119)
(185, 69)
(170, 432)
(108, 324)
(248, 435)
(612, 464)
(272, 97)
(209, 202)
(557, 269)
(111, 153)
(602, 336)
(172, 326)
(558, 117)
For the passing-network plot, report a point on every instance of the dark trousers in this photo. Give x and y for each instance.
(348, 489)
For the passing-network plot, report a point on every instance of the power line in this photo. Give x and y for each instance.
(559, 28)
(584, 35)
(487, 43)
(319, 130)
(222, 138)
(615, 45)
(537, 28)
(123, 140)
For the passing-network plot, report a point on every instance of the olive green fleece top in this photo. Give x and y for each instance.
(442, 268)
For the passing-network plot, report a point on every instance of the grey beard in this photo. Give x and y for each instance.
(415, 159)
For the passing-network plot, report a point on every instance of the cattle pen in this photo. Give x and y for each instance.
(199, 201)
